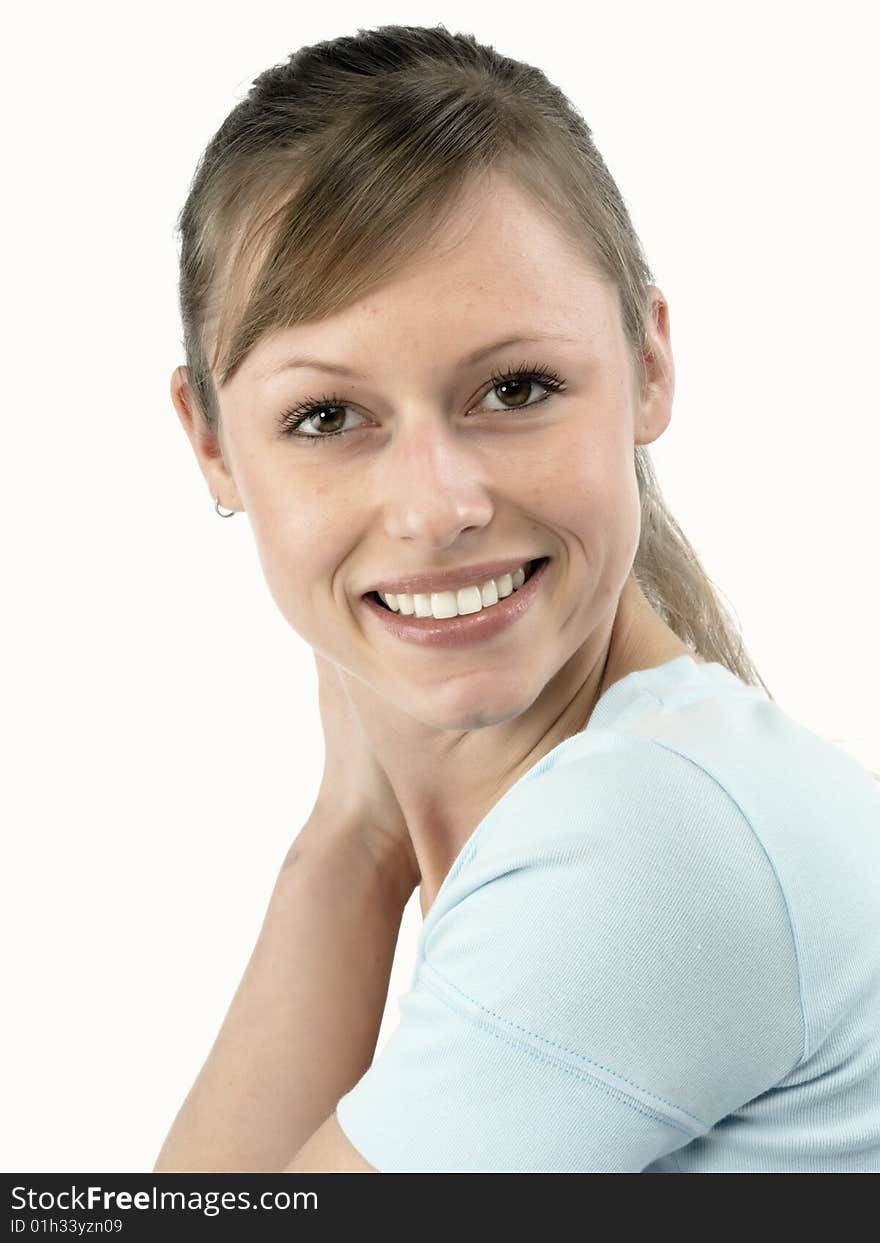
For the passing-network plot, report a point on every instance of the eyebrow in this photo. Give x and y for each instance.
(469, 360)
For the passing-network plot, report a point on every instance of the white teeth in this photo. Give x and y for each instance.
(444, 604)
(489, 593)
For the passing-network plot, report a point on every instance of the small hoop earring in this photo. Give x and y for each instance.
(231, 513)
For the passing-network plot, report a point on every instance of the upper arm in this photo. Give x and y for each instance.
(329, 1151)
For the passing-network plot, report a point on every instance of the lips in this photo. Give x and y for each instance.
(468, 628)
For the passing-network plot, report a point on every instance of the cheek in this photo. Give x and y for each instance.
(585, 486)
(302, 541)
(298, 519)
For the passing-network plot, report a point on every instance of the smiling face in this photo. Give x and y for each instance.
(437, 466)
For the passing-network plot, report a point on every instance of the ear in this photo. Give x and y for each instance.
(654, 409)
(206, 444)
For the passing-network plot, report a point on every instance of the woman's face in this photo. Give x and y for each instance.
(436, 468)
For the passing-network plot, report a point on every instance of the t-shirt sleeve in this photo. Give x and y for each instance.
(611, 974)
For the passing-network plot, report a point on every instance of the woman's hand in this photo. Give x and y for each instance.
(355, 788)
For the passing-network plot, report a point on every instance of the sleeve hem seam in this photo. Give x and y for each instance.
(553, 1055)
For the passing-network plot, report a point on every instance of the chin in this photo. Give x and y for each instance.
(480, 708)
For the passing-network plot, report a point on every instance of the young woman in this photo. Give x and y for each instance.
(426, 356)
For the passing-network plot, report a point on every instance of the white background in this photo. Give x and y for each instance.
(162, 742)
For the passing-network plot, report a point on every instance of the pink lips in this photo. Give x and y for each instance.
(467, 628)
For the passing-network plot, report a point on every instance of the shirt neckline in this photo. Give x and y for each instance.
(655, 680)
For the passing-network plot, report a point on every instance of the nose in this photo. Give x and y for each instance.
(434, 483)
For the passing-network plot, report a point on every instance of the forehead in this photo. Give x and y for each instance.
(499, 262)
(498, 241)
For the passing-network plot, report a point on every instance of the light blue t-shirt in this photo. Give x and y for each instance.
(659, 952)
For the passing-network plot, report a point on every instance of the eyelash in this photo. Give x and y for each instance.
(538, 373)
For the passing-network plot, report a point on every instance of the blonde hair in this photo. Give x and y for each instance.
(338, 165)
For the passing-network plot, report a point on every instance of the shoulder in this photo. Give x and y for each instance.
(628, 872)
(622, 915)
(614, 800)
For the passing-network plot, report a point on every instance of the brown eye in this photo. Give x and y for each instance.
(333, 424)
(329, 410)
(514, 388)
(517, 389)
